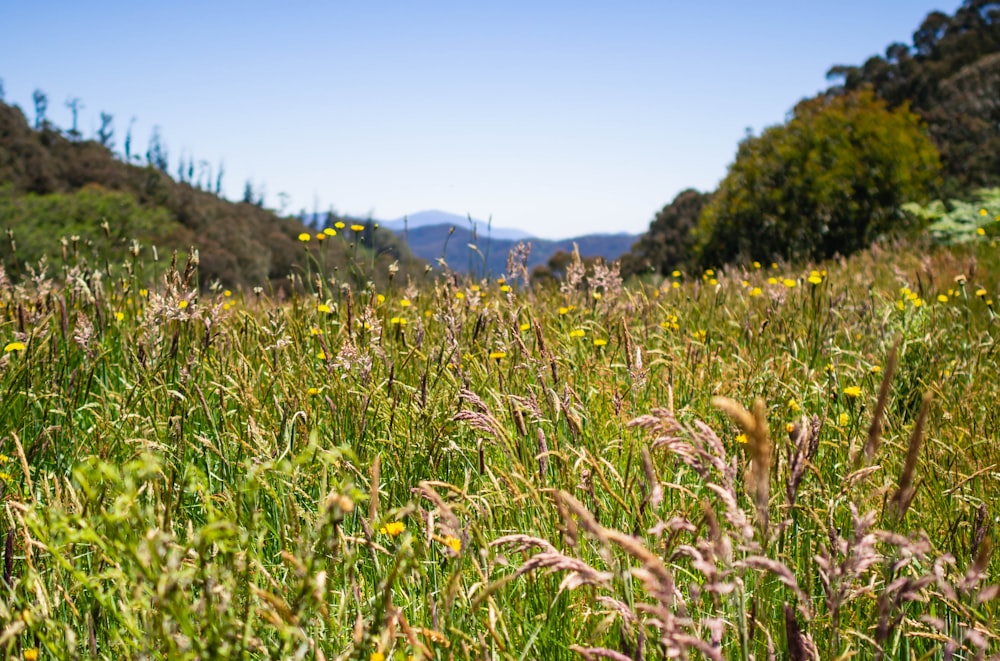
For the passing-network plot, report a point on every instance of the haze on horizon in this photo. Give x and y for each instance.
(558, 118)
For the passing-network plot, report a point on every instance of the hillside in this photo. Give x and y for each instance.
(52, 186)
(482, 255)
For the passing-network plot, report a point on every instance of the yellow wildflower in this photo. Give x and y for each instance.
(120, 316)
(398, 321)
(339, 225)
(393, 529)
(459, 295)
(844, 419)
(525, 326)
(756, 291)
(405, 303)
(853, 391)
(321, 355)
(793, 405)
(323, 307)
(980, 292)
(577, 332)
(980, 231)
(815, 278)
(329, 231)
(182, 304)
(31, 654)
(357, 228)
(454, 543)
(876, 369)
(505, 288)
(741, 439)
(497, 355)
(227, 293)
(756, 265)
(304, 237)
(772, 281)
(942, 298)
(376, 656)
(313, 391)
(600, 342)
(788, 282)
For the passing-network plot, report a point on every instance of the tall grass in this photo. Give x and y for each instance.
(753, 463)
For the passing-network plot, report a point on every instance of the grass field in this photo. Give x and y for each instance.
(769, 462)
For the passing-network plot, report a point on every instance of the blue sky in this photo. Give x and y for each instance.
(560, 118)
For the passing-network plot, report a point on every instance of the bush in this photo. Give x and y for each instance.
(829, 181)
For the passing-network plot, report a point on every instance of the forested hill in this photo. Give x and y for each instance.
(950, 76)
(55, 185)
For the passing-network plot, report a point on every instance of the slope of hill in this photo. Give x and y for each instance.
(435, 217)
(488, 256)
(52, 186)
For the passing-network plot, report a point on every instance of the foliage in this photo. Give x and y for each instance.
(101, 223)
(829, 181)
(960, 221)
(667, 243)
(472, 469)
(949, 76)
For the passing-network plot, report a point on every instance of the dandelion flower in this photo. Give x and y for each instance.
(459, 295)
(321, 355)
(505, 288)
(980, 231)
(981, 292)
(144, 293)
(398, 321)
(984, 212)
(844, 419)
(525, 326)
(313, 391)
(305, 237)
(320, 236)
(454, 543)
(314, 331)
(323, 307)
(376, 656)
(393, 529)
(497, 355)
(793, 405)
(31, 654)
(756, 265)
(577, 332)
(182, 305)
(788, 282)
(789, 427)
(339, 225)
(741, 439)
(815, 279)
(942, 298)
(600, 342)
(772, 281)
(405, 303)
(357, 228)
(756, 291)
(853, 391)
(329, 231)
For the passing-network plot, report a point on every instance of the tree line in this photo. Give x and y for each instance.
(921, 121)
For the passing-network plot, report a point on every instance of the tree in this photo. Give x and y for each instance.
(41, 100)
(75, 106)
(829, 181)
(106, 133)
(666, 245)
(156, 154)
(128, 141)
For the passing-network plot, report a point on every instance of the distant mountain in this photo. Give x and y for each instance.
(435, 217)
(488, 257)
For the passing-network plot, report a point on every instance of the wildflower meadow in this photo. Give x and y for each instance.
(766, 461)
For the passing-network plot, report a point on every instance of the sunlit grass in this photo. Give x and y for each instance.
(482, 470)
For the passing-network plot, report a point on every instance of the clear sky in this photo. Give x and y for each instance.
(560, 118)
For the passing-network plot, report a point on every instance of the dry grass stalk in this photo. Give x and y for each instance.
(906, 490)
(594, 653)
(875, 430)
(754, 425)
(806, 440)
